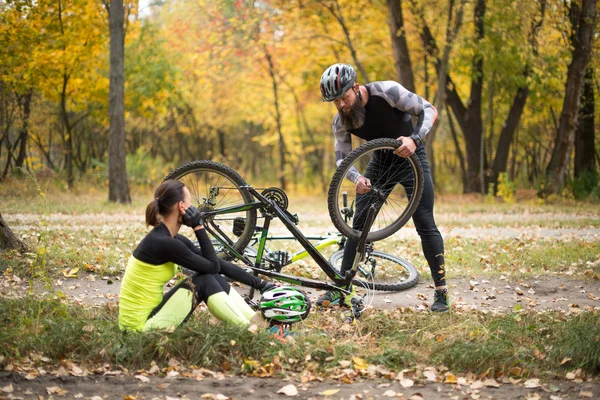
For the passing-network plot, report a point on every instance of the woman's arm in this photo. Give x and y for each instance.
(177, 251)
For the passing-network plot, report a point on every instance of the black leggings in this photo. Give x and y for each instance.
(431, 239)
(205, 285)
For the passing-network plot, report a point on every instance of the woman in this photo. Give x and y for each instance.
(142, 305)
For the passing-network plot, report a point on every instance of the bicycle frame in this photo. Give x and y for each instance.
(331, 239)
(272, 210)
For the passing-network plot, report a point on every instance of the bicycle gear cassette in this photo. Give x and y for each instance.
(278, 196)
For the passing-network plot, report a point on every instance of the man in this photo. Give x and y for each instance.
(383, 110)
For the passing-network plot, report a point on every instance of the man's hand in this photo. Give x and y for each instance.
(408, 147)
(363, 185)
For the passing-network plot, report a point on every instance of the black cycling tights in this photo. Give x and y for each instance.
(431, 239)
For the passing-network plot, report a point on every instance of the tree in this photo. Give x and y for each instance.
(583, 23)
(398, 35)
(118, 190)
(516, 110)
(585, 146)
(8, 240)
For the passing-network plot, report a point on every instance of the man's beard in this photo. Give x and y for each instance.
(355, 118)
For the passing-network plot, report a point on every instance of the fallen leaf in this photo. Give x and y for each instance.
(416, 396)
(515, 371)
(491, 383)
(477, 385)
(533, 396)
(56, 390)
(329, 392)
(70, 272)
(143, 378)
(76, 370)
(390, 393)
(570, 376)
(406, 383)
(565, 360)
(163, 386)
(8, 388)
(586, 394)
(555, 397)
(289, 390)
(129, 397)
(253, 328)
(531, 384)
(430, 375)
(450, 378)
(359, 363)
(345, 363)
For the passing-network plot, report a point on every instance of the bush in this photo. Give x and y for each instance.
(141, 169)
(585, 185)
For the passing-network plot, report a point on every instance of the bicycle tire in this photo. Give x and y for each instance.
(234, 195)
(405, 268)
(360, 155)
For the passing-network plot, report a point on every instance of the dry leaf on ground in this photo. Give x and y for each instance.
(289, 390)
(531, 384)
(406, 383)
(143, 378)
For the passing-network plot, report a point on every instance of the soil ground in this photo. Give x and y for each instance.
(107, 387)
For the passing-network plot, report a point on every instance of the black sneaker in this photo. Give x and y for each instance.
(441, 302)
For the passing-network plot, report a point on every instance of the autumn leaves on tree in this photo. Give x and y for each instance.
(83, 88)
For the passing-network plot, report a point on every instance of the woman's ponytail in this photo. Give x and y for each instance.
(152, 212)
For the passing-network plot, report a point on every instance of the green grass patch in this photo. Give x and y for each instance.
(534, 343)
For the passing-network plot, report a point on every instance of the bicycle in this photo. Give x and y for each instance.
(222, 196)
(378, 271)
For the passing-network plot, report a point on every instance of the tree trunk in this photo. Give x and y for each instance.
(508, 131)
(277, 120)
(468, 118)
(584, 138)
(8, 240)
(399, 45)
(583, 33)
(24, 131)
(459, 153)
(66, 132)
(440, 96)
(473, 135)
(118, 189)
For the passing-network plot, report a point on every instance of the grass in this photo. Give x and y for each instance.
(534, 344)
(80, 229)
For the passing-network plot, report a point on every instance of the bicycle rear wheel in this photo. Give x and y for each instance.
(396, 185)
(381, 271)
(214, 186)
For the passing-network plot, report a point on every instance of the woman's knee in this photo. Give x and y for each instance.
(206, 285)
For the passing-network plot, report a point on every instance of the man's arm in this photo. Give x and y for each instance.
(343, 147)
(399, 97)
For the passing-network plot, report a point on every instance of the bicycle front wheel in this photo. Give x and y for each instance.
(381, 271)
(215, 186)
(396, 187)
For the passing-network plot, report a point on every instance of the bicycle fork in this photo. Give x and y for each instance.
(361, 250)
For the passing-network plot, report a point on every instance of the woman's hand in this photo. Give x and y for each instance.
(192, 218)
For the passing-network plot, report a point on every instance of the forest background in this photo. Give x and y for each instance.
(515, 84)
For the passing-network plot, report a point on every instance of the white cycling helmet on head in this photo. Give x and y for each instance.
(336, 80)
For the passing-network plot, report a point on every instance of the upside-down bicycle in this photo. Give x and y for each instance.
(223, 198)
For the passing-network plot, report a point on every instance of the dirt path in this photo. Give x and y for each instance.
(236, 387)
(491, 294)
